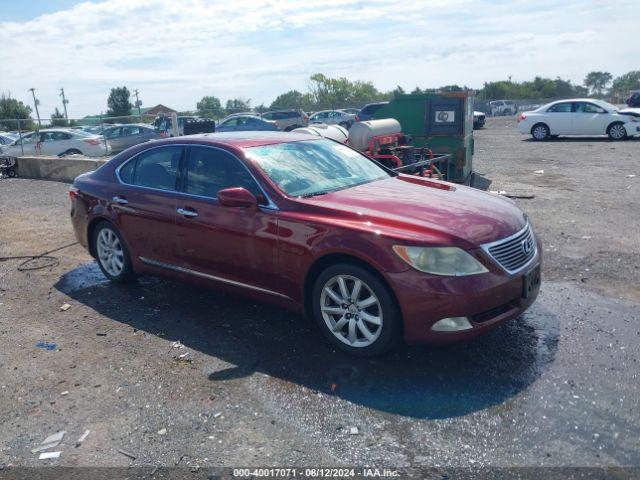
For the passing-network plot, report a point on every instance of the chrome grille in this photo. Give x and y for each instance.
(514, 252)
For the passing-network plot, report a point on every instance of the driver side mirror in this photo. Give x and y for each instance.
(237, 197)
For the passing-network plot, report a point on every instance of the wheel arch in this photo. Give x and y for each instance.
(541, 123)
(611, 124)
(329, 259)
(91, 228)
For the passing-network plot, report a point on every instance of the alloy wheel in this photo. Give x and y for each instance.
(110, 252)
(351, 310)
(540, 132)
(617, 132)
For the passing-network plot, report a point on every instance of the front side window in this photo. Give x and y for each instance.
(560, 108)
(210, 170)
(584, 107)
(156, 168)
(313, 167)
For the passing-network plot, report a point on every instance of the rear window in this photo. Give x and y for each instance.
(369, 109)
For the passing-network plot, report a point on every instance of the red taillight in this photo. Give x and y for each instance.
(93, 141)
(357, 118)
(164, 134)
(306, 118)
(73, 193)
(522, 117)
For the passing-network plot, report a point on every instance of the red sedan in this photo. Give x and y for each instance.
(372, 256)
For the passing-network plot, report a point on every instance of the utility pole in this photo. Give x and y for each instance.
(35, 103)
(137, 102)
(64, 104)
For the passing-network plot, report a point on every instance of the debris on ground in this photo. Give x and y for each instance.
(539, 172)
(64, 307)
(47, 455)
(127, 454)
(66, 392)
(46, 345)
(162, 431)
(183, 359)
(216, 415)
(504, 193)
(82, 438)
(631, 176)
(50, 442)
(353, 431)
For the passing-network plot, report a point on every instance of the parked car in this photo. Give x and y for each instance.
(287, 120)
(57, 142)
(7, 138)
(163, 124)
(373, 256)
(240, 123)
(580, 116)
(502, 108)
(634, 100)
(479, 119)
(352, 111)
(368, 110)
(124, 136)
(333, 117)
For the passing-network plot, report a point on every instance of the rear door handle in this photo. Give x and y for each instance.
(187, 213)
(120, 200)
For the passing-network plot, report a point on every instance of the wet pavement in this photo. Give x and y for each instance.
(556, 387)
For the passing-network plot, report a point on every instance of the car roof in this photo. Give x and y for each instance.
(241, 139)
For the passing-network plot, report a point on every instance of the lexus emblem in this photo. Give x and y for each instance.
(526, 246)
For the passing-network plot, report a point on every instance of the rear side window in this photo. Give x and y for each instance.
(210, 170)
(157, 168)
(560, 108)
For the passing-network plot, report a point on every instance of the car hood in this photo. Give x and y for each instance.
(426, 210)
(634, 112)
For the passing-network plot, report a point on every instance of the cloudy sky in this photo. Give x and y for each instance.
(177, 51)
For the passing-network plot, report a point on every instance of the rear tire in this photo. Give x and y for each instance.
(540, 132)
(112, 253)
(356, 311)
(71, 151)
(616, 131)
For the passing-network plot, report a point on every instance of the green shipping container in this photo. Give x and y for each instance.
(442, 122)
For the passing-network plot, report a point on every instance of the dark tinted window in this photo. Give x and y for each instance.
(210, 170)
(369, 109)
(157, 168)
(560, 108)
(126, 171)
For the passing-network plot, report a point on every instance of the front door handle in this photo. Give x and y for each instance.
(187, 213)
(120, 200)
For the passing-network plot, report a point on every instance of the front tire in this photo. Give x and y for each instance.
(355, 310)
(616, 131)
(540, 132)
(112, 253)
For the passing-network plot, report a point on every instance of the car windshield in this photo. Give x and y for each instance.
(315, 167)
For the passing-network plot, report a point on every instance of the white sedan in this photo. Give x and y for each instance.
(333, 117)
(57, 142)
(581, 116)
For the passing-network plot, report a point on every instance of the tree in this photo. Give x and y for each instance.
(293, 99)
(210, 107)
(13, 109)
(57, 119)
(624, 83)
(238, 105)
(597, 82)
(119, 102)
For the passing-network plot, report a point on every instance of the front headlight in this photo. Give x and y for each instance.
(452, 261)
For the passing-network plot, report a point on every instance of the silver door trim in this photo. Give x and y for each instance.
(176, 268)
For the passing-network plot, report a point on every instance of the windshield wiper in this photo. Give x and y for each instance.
(314, 194)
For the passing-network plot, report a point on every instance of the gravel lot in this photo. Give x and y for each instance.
(557, 387)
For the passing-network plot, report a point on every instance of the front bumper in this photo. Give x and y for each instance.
(487, 300)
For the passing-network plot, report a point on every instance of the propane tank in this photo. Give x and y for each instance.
(334, 132)
(361, 133)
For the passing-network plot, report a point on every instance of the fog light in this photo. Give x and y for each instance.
(452, 324)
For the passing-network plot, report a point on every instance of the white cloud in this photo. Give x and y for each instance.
(175, 52)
